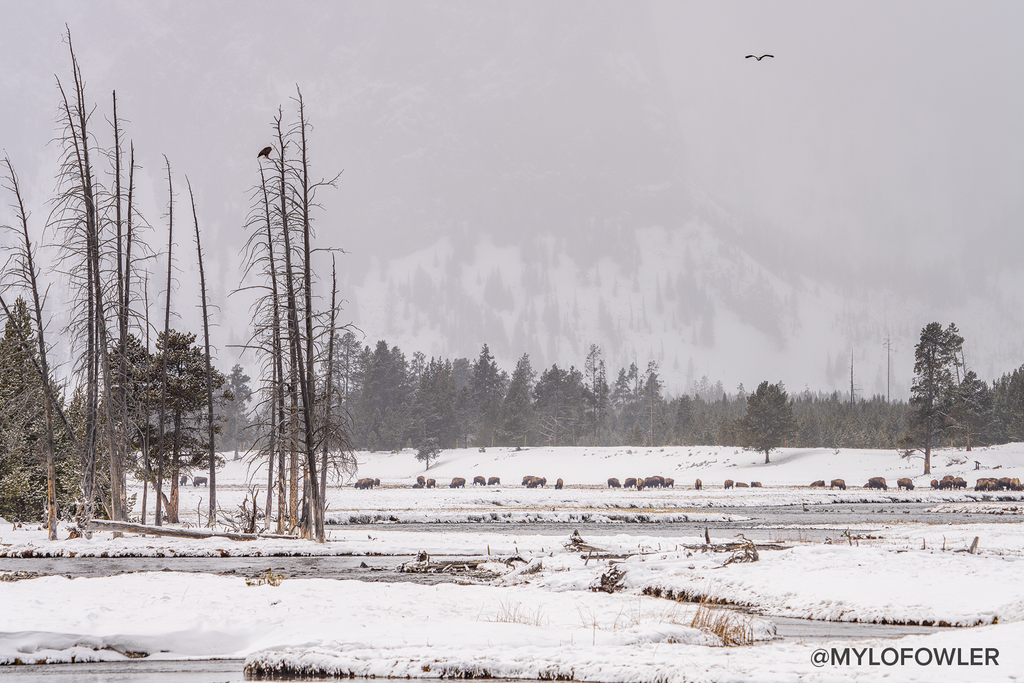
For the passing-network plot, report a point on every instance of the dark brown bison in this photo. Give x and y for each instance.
(904, 483)
(199, 481)
(613, 483)
(364, 483)
(417, 485)
(376, 482)
(494, 481)
(654, 482)
(1015, 484)
(755, 484)
(728, 483)
(478, 480)
(184, 480)
(987, 484)
(816, 484)
(457, 483)
(630, 483)
(838, 484)
(877, 483)
(542, 482)
(697, 484)
(559, 484)
(431, 483)
(670, 483)
(947, 482)
(961, 483)
(527, 480)
(742, 485)
(1004, 483)
(421, 481)
(935, 483)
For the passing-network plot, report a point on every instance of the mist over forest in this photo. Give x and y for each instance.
(542, 177)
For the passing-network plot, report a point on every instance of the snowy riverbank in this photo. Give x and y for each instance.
(538, 617)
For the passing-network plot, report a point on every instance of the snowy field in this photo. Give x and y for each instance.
(585, 472)
(537, 616)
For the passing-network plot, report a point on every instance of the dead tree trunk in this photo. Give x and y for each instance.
(167, 334)
(26, 270)
(209, 373)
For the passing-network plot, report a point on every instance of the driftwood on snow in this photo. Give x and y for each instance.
(132, 528)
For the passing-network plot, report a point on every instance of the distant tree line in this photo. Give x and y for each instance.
(397, 401)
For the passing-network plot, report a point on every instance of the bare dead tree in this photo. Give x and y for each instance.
(209, 373)
(163, 366)
(75, 213)
(25, 270)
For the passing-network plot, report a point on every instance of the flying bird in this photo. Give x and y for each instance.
(265, 152)
(759, 58)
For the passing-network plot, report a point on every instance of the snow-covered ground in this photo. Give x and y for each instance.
(541, 619)
(585, 472)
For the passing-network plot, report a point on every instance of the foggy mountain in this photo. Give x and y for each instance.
(515, 174)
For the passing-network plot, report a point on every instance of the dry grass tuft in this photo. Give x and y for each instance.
(513, 612)
(731, 626)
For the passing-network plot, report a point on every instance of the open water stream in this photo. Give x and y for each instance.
(769, 523)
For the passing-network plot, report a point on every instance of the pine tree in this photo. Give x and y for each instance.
(488, 391)
(769, 419)
(935, 359)
(517, 410)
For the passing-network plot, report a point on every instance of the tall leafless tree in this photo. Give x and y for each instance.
(209, 373)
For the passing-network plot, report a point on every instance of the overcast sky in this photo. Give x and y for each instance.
(874, 119)
(889, 123)
(881, 136)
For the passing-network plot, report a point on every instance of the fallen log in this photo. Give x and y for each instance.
(177, 532)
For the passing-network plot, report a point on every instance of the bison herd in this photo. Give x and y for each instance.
(640, 483)
(992, 484)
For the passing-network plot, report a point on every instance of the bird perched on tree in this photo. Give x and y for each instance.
(759, 58)
(265, 152)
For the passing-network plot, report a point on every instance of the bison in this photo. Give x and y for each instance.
(728, 483)
(457, 483)
(755, 484)
(877, 483)
(838, 484)
(613, 483)
(670, 483)
(421, 481)
(904, 483)
(364, 483)
(935, 483)
(559, 484)
(431, 483)
(816, 484)
(184, 480)
(376, 482)
(697, 484)
(1015, 484)
(478, 480)
(653, 482)
(417, 485)
(199, 481)
(527, 480)
(987, 484)
(630, 483)
(960, 483)
(742, 485)
(494, 481)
